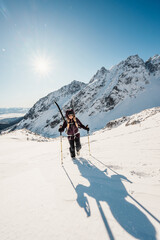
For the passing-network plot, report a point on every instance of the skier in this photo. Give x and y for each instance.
(73, 123)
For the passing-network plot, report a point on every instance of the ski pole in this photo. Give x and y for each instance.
(61, 148)
(89, 143)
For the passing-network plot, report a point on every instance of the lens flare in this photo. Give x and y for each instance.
(41, 65)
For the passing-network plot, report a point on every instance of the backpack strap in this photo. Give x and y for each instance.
(68, 122)
(74, 119)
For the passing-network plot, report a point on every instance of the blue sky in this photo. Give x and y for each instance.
(75, 37)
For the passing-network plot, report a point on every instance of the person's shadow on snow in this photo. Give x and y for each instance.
(112, 191)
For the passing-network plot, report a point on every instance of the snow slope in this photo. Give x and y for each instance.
(127, 88)
(112, 194)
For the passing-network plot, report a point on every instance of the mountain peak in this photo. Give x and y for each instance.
(155, 59)
(156, 56)
(73, 86)
(76, 82)
(100, 73)
(134, 61)
(153, 63)
(103, 69)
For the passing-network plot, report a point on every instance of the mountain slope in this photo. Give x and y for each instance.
(127, 88)
(44, 113)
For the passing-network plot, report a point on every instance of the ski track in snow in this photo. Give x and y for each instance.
(114, 193)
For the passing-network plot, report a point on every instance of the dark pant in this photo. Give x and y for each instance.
(74, 143)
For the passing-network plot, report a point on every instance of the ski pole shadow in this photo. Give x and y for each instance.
(112, 191)
(84, 203)
(110, 168)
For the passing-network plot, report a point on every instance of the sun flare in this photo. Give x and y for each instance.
(41, 65)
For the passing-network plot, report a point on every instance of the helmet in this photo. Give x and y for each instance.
(70, 111)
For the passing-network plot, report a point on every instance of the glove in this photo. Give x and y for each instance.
(87, 128)
(60, 129)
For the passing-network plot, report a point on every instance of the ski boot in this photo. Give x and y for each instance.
(78, 152)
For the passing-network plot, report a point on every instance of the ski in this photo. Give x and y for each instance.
(60, 110)
(72, 104)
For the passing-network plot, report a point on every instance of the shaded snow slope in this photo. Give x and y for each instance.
(112, 194)
(127, 88)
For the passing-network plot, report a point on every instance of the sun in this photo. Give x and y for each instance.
(41, 65)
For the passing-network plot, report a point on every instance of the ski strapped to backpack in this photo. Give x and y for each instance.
(60, 110)
(72, 107)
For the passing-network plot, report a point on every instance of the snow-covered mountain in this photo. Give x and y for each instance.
(127, 88)
(43, 116)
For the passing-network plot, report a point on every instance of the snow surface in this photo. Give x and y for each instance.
(114, 193)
